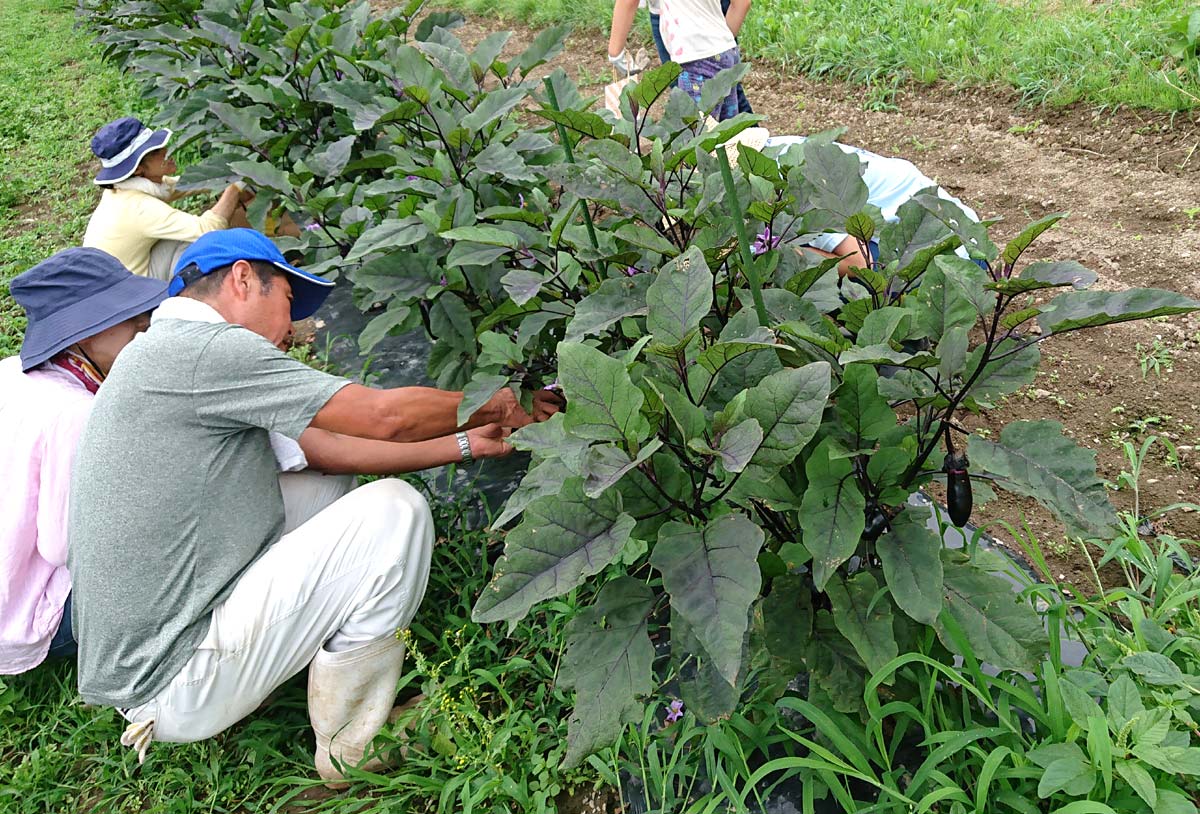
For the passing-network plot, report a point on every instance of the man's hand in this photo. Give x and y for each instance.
(488, 441)
(504, 409)
(546, 403)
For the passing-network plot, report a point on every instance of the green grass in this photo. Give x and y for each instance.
(55, 91)
(1107, 53)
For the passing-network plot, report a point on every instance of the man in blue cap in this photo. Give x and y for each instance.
(197, 594)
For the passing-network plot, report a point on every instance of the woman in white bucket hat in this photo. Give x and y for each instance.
(135, 221)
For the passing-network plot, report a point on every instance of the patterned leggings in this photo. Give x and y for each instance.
(696, 73)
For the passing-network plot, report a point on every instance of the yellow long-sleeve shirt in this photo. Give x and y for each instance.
(128, 222)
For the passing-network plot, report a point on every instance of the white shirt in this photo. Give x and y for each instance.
(890, 182)
(694, 29)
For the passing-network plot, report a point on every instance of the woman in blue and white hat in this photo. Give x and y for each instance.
(135, 221)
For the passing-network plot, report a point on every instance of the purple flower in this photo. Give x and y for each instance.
(410, 178)
(632, 270)
(337, 74)
(521, 198)
(674, 711)
(443, 280)
(554, 386)
(312, 227)
(764, 240)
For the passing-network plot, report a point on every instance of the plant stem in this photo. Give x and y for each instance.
(566, 143)
(739, 225)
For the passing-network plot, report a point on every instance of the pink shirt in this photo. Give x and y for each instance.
(42, 414)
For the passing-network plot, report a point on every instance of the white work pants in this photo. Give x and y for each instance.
(346, 575)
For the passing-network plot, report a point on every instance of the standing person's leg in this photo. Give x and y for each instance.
(659, 45)
(696, 73)
(743, 104)
(333, 592)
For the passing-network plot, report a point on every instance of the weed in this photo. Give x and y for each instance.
(1156, 358)
(587, 77)
(921, 146)
(1025, 129)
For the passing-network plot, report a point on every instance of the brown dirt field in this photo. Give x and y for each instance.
(1129, 180)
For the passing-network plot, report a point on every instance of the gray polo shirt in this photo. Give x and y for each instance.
(175, 493)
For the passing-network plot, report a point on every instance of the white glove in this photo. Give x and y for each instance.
(620, 63)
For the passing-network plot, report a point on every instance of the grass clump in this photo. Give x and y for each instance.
(55, 92)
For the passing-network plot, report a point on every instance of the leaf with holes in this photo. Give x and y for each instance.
(681, 294)
(973, 235)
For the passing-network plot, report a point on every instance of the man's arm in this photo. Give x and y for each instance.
(337, 454)
(408, 414)
(738, 9)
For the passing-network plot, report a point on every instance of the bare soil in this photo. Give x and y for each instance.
(1128, 179)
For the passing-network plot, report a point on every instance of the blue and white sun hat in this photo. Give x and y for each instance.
(120, 146)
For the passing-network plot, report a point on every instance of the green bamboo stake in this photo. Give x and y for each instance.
(566, 143)
(739, 225)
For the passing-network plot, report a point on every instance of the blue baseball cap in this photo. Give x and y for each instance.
(120, 145)
(215, 250)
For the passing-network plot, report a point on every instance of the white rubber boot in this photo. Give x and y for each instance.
(350, 696)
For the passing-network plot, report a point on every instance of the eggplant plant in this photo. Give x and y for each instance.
(745, 427)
